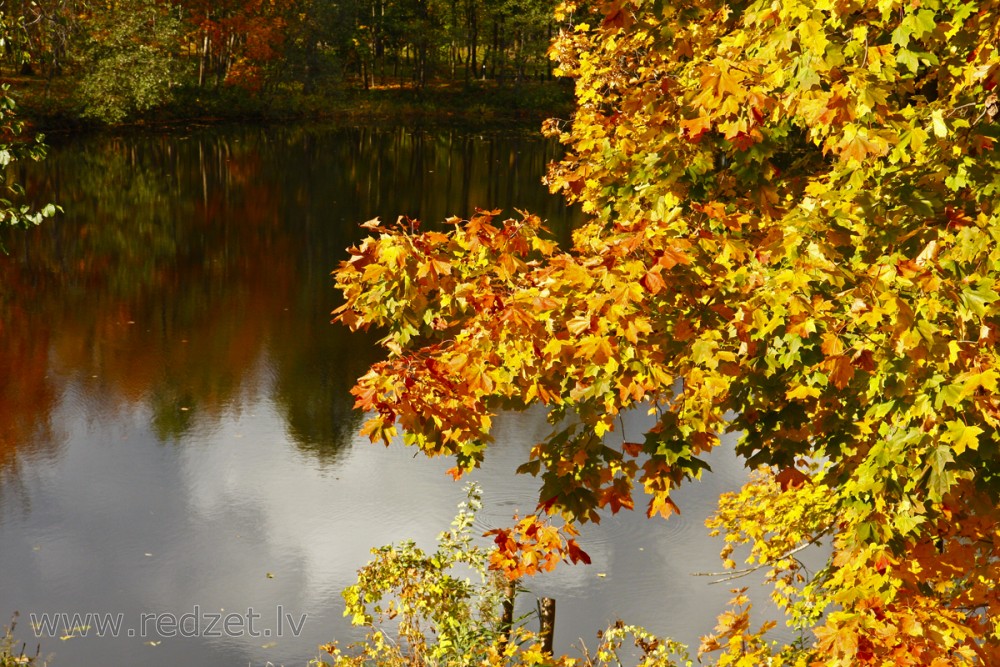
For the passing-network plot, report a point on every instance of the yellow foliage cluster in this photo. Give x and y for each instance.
(793, 237)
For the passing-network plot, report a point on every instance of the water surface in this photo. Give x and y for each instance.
(176, 432)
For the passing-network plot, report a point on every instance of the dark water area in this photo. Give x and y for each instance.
(176, 430)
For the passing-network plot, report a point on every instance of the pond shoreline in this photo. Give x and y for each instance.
(49, 107)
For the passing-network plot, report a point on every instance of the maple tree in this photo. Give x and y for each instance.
(236, 40)
(793, 238)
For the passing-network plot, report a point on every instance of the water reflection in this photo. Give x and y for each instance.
(175, 421)
(185, 263)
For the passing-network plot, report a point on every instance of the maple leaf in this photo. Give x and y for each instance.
(576, 554)
(841, 370)
(695, 128)
(662, 505)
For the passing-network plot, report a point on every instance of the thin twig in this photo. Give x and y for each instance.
(737, 574)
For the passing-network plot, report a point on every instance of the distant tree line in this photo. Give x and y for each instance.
(128, 55)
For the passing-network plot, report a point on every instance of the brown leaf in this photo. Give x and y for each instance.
(864, 360)
(790, 478)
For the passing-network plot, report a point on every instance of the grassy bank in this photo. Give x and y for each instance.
(51, 106)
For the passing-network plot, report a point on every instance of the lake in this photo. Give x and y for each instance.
(176, 432)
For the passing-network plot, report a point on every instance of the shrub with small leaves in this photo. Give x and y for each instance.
(447, 609)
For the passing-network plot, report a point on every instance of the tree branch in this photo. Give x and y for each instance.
(738, 574)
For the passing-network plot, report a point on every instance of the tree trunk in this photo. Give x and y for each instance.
(548, 61)
(203, 61)
(495, 50)
(547, 616)
(473, 37)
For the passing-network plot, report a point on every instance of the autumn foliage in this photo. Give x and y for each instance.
(793, 237)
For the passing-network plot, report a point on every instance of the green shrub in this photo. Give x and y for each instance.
(445, 609)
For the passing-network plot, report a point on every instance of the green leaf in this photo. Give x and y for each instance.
(940, 480)
(908, 59)
(977, 298)
(950, 395)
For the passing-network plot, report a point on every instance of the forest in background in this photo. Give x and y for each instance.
(111, 62)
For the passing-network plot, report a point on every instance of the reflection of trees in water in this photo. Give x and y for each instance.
(433, 175)
(28, 393)
(312, 390)
(312, 379)
(190, 274)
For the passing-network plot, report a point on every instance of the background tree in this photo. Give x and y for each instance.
(792, 239)
(214, 50)
(517, 28)
(235, 40)
(45, 31)
(132, 59)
